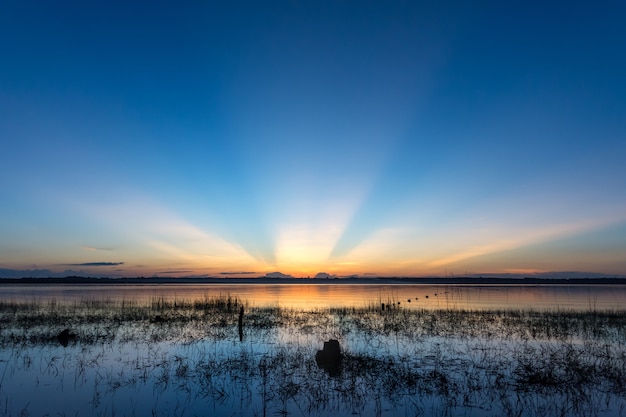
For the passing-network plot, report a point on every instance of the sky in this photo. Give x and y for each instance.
(389, 138)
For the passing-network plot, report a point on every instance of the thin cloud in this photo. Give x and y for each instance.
(238, 273)
(95, 249)
(97, 264)
(175, 272)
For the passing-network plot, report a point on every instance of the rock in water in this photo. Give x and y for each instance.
(64, 337)
(329, 358)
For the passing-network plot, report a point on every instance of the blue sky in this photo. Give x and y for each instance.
(391, 138)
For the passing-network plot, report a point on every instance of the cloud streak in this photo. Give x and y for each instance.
(95, 249)
(96, 264)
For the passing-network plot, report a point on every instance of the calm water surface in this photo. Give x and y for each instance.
(396, 362)
(307, 296)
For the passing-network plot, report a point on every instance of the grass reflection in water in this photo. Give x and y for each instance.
(186, 358)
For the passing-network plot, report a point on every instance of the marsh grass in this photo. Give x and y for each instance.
(184, 357)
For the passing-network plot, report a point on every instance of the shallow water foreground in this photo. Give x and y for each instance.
(167, 358)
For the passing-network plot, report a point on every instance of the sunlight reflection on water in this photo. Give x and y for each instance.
(307, 296)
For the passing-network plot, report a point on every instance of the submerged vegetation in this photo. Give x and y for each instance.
(193, 357)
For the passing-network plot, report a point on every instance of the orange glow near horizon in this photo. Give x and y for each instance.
(165, 244)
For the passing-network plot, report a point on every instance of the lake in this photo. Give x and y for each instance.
(312, 350)
(304, 295)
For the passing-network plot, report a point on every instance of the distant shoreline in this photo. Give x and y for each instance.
(314, 281)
